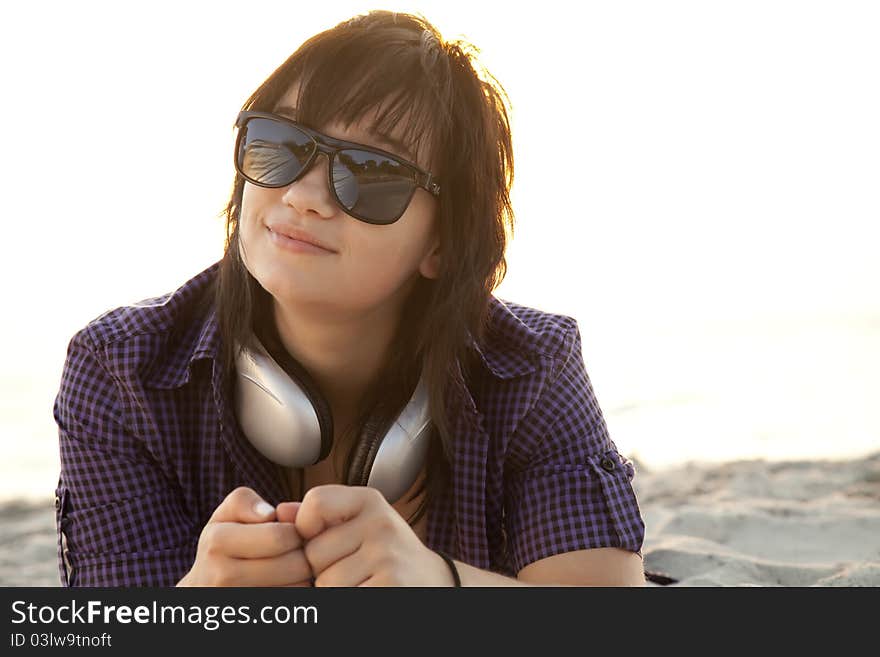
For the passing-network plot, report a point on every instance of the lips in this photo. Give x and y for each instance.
(298, 234)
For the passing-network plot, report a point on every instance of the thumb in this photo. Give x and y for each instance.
(243, 504)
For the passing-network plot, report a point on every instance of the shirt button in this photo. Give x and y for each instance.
(607, 463)
(57, 503)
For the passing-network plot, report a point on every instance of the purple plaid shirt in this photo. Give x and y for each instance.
(150, 447)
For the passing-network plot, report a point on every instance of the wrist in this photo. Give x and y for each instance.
(454, 578)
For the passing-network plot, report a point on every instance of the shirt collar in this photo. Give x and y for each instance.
(177, 369)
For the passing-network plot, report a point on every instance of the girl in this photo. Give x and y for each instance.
(366, 231)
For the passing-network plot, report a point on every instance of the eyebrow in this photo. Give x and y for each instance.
(381, 137)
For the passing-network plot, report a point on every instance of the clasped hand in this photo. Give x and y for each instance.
(337, 536)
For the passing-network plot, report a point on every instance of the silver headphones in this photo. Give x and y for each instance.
(286, 418)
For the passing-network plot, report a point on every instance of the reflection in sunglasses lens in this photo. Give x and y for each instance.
(372, 185)
(273, 153)
(345, 184)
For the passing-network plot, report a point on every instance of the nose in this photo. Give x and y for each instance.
(309, 192)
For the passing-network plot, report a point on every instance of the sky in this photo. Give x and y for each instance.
(680, 166)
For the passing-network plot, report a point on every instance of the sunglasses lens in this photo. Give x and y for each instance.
(272, 153)
(372, 185)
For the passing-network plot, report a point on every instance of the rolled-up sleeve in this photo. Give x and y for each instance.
(574, 491)
(119, 520)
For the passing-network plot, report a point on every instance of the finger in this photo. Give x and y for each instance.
(335, 543)
(254, 541)
(353, 570)
(286, 569)
(243, 505)
(332, 504)
(286, 511)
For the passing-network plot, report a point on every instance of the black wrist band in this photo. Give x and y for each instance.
(452, 567)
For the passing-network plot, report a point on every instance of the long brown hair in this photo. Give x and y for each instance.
(435, 91)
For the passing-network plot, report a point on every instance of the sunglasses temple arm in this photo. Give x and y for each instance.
(427, 181)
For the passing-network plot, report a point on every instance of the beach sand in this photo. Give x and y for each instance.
(754, 523)
(744, 523)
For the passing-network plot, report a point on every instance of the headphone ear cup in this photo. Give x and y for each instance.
(390, 453)
(271, 342)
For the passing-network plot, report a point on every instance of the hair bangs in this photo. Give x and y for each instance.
(391, 95)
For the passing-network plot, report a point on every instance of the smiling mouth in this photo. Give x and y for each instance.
(295, 244)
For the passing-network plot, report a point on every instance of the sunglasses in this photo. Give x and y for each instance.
(370, 184)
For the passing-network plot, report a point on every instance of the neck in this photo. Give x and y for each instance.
(342, 353)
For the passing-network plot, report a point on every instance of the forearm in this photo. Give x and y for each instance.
(592, 567)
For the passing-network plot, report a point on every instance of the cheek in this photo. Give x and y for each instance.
(384, 256)
(254, 201)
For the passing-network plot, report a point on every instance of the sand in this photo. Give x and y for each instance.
(744, 523)
(753, 523)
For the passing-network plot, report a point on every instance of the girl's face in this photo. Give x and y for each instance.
(371, 267)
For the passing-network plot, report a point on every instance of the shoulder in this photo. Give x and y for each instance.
(524, 356)
(149, 338)
(538, 392)
(520, 339)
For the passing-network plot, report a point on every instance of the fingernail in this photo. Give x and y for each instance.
(264, 508)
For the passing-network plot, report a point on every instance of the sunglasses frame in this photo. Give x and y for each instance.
(330, 146)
